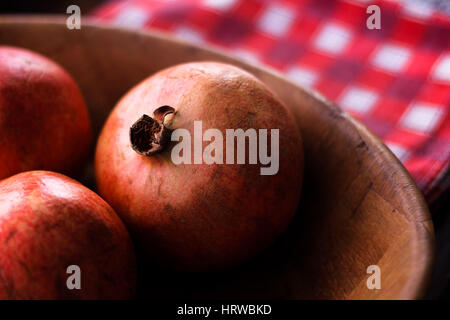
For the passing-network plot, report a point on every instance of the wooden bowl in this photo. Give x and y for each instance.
(359, 205)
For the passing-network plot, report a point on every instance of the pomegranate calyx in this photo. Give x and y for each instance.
(149, 135)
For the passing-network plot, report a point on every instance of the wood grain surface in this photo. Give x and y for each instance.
(359, 206)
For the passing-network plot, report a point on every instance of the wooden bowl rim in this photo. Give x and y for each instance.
(418, 281)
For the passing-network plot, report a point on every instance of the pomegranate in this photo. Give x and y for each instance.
(44, 122)
(212, 212)
(52, 227)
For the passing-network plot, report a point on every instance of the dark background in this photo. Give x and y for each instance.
(440, 209)
(46, 6)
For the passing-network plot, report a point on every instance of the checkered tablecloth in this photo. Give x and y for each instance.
(396, 80)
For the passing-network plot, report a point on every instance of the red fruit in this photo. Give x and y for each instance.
(198, 216)
(49, 222)
(44, 122)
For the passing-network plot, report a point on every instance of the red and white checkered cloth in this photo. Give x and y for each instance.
(396, 80)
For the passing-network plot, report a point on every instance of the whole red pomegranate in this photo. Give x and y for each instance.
(202, 215)
(44, 122)
(50, 225)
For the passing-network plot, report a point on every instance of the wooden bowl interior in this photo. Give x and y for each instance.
(359, 207)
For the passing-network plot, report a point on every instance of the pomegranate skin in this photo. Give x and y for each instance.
(49, 222)
(200, 217)
(44, 122)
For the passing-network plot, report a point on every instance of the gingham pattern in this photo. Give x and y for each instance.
(395, 80)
